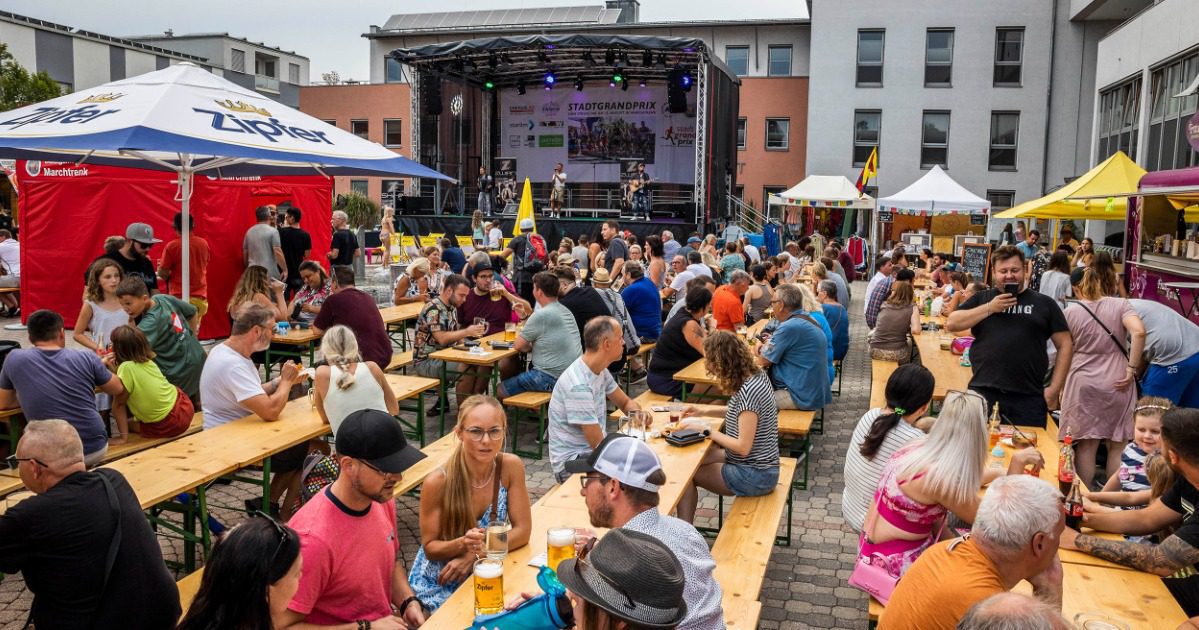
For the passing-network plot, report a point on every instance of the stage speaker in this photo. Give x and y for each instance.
(430, 96)
(676, 99)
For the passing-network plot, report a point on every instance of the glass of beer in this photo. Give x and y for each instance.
(742, 331)
(497, 291)
(510, 332)
(489, 586)
(482, 321)
(560, 545)
(497, 538)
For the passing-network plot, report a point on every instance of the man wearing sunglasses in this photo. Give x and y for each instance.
(133, 256)
(61, 539)
(353, 568)
(620, 481)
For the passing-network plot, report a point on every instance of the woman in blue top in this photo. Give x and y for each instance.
(812, 306)
(456, 503)
(836, 316)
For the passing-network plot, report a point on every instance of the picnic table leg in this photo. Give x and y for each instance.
(420, 418)
(205, 532)
(442, 396)
(311, 354)
(266, 485)
(189, 531)
(266, 365)
(683, 393)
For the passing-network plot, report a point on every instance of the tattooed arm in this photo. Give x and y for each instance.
(1164, 559)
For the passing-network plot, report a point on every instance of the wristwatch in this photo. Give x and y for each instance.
(363, 624)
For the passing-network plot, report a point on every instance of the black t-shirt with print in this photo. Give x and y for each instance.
(1009, 351)
(1182, 497)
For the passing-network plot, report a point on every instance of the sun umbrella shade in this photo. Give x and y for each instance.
(155, 119)
(935, 193)
(1101, 193)
(824, 191)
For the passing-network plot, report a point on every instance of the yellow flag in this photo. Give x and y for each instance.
(526, 209)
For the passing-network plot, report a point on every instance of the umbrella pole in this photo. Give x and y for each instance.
(185, 196)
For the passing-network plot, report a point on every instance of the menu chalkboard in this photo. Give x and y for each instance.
(976, 261)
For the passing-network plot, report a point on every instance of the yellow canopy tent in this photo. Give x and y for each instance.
(1099, 194)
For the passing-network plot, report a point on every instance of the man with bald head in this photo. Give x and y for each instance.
(1012, 611)
(82, 544)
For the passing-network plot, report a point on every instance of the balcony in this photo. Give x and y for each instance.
(266, 84)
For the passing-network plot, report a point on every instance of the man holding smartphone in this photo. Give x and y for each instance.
(1011, 325)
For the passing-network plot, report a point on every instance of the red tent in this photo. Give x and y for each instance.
(66, 212)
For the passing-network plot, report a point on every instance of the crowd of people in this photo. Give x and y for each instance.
(1051, 332)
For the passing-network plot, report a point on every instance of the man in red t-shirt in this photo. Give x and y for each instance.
(353, 571)
(727, 306)
(497, 308)
(170, 268)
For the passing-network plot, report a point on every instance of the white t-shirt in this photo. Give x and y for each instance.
(579, 398)
(700, 269)
(861, 474)
(10, 256)
(559, 180)
(494, 237)
(227, 380)
(753, 254)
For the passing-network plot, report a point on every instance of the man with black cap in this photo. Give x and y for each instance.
(132, 256)
(353, 568)
(620, 487)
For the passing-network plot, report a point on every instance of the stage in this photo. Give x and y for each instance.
(553, 230)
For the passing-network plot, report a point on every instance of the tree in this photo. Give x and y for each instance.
(19, 87)
(331, 77)
(360, 210)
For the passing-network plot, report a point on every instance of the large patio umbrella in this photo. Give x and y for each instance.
(188, 120)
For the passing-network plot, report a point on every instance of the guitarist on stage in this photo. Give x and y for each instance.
(639, 188)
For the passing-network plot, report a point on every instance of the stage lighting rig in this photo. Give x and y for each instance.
(589, 58)
(492, 61)
(624, 85)
(647, 59)
(610, 57)
(550, 79)
(641, 83)
(579, 84)
(520, 88)
(542, 57)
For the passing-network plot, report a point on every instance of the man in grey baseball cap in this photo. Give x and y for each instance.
(132, 256)
(620, 482)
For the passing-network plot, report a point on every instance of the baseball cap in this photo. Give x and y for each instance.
(526, 224)
(483, 265)
(376, 437)
(693, 239)
(625, 459)
(141, 233)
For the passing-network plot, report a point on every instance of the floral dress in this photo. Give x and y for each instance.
(312, 297)
(422, 577)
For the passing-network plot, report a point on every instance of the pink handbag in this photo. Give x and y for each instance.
(959, 344)
(869, 574)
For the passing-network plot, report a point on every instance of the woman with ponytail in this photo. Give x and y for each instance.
(347, 383)
(479, 483)
(880, 433)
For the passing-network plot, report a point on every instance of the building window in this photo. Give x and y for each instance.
(1005, 130)
(934, 142)
(1167, 146)
(938, 57)
(1009, 56)
(238, 63)
(393, 132)
(780, 61)
(770, 190)
(866, 124)
(1001, 200)
(360, 186)
(360, 128)
(778, 134)
(737, 59)
(1119, 120)
(293, 73)
(870, 57)
(393, 70)
(741, 134)
(330, 122)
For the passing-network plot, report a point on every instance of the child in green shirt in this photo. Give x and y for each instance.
(163, 410)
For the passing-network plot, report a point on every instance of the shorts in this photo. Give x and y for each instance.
(1026, 410)
(10, 281)
(664, 384)
(201, 305)
(783, 399)
(175, 423)
(431, 368)
(558, 195)
(290, 460)
(532, 381)
(95, 458)
(1178, 382)
(746, 481)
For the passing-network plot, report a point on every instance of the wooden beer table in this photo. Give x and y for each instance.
(946, 367)
(564, 506)
(396, 319)
(1138, 599)
(490, 357)
(697, 373)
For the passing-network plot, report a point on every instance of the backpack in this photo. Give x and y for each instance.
(532, 257)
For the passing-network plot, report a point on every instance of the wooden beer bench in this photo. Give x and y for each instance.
(742, 550)
(523, 404)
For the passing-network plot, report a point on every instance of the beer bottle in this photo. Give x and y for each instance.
(1073, 506)
(1065, 465)
(994, 428)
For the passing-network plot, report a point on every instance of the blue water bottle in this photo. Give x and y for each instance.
(548, 611)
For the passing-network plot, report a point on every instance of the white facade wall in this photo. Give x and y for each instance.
(137, 62)
(20, 42)
(833, 95)
(92, 65)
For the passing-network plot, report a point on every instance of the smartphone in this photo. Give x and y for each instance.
(1011, 289)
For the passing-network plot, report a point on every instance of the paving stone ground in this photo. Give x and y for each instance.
(806, 583)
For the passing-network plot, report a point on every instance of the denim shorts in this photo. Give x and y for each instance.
(746, 481)
(532, 381)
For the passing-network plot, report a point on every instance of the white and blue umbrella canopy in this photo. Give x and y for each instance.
(184, 118)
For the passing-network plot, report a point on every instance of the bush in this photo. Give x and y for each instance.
(361, 210)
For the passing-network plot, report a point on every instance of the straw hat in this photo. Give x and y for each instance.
(601, 278)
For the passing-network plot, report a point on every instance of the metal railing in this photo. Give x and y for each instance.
(748, 217)
(263, 82)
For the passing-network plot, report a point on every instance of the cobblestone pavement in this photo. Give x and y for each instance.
(806, 583)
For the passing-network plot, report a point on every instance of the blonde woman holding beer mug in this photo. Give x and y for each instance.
(480, 484)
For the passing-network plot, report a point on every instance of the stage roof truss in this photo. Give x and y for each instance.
(510, 61)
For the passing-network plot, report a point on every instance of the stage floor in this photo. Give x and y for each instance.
(552, 229)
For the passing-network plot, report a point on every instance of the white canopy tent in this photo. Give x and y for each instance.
(823, 191)
(935, 193)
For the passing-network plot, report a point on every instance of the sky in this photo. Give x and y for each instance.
(329, 32)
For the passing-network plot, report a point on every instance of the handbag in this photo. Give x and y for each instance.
(869, 574)
(686, 437)
(959, 345)
(319, 471)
